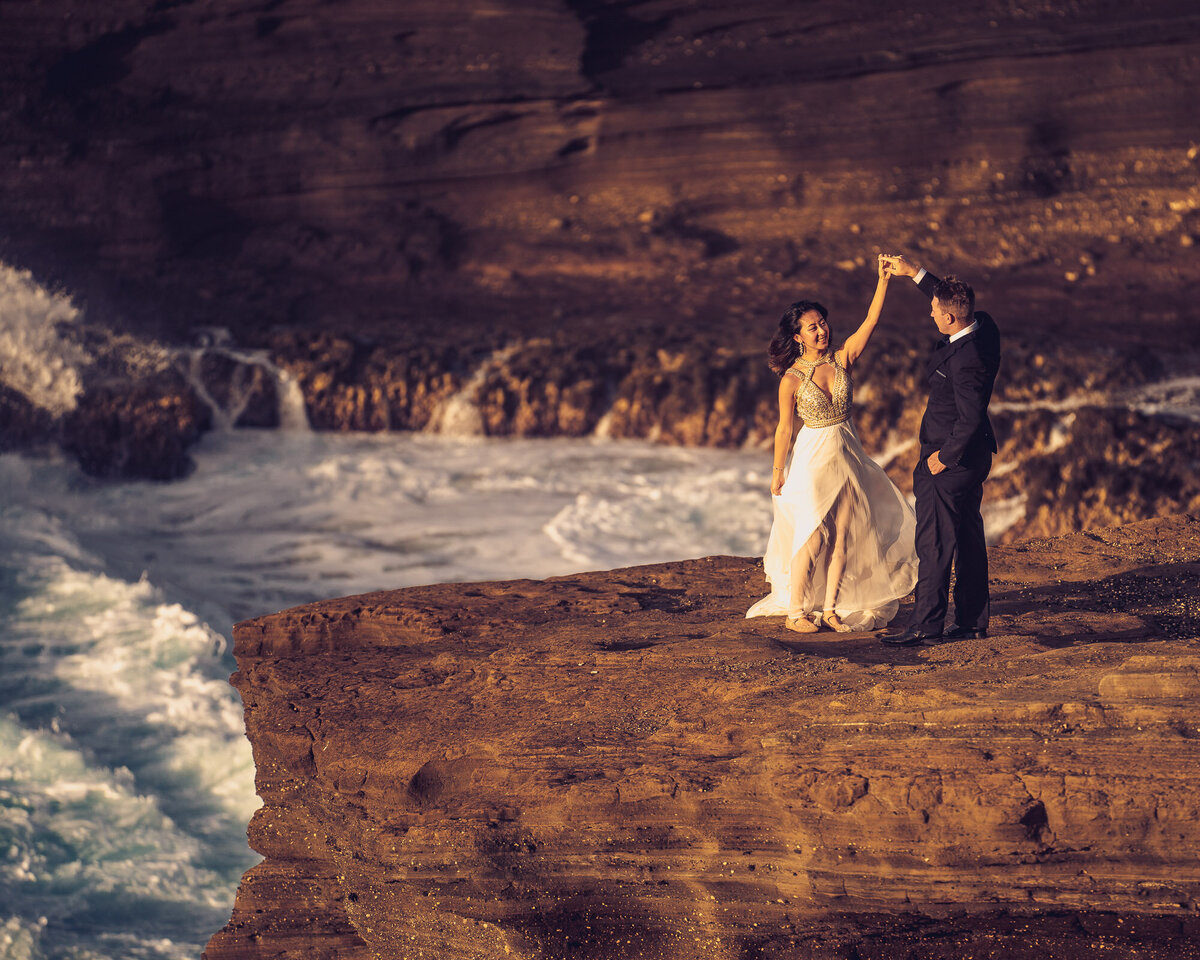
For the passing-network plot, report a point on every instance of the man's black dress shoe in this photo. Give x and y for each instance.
(964, 633)
(909, 638)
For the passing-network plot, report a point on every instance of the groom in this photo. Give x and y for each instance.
(957, 444)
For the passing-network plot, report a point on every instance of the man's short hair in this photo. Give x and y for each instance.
(956, 297)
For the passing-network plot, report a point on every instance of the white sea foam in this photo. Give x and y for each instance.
(131, 662)
(458, 415)
(36, 359)
(125, 777)
(289, 398)
(20, 939)
(1176, 397)
(1000, 516)
(268, 520)
(92, 866)
(646, 518)
(896, 447)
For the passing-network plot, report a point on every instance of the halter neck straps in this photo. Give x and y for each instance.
(811, 365)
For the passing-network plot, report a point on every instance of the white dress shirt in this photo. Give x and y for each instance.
(962, 333)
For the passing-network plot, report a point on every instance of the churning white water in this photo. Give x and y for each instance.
(36, 357)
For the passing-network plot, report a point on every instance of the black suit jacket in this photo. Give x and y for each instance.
(960, 376)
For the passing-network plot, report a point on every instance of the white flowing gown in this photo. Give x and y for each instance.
(829, 473)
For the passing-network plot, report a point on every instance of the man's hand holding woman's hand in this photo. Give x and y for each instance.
(900, 266)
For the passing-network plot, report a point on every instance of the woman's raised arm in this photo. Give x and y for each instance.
(857, 342)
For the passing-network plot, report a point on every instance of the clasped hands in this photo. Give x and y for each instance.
(897, 265)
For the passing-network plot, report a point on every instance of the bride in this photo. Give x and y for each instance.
(841, 547)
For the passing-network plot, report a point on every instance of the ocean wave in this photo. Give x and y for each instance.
(89, 858)
(36, 358)
(125, 777)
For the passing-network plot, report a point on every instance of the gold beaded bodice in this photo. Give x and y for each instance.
(813, 405)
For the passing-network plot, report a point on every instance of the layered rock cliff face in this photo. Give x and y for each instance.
(618, 765)
(359, 164)
(540, 217)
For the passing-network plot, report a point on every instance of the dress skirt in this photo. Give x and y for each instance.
(831, 483)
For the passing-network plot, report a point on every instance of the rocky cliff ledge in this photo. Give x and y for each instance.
(618, 765)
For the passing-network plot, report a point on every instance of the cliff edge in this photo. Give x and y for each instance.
(618, 765)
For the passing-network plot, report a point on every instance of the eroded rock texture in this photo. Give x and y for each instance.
(359, 164)
(618, 765)
(135, 430)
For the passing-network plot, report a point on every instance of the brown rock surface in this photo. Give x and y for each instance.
(618, 765)
(140, 429)
(530, 164)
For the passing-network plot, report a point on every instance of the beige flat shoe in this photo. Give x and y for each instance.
(801, 625)
(833, 621)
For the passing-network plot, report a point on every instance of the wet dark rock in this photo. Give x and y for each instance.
(352, 384)
(1119, 466)
(22, 424)
(139, 429)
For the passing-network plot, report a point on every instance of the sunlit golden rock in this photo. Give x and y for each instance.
(618, 765)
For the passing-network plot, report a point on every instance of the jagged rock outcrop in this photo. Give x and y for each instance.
(1113, 466)
(125, 406)
(141, 408)
(618, 765)
(141, 429)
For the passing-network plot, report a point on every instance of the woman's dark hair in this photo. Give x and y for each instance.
(784, 349)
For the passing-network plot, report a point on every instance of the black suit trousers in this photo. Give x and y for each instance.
(950, 531)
